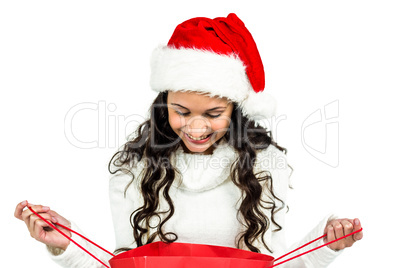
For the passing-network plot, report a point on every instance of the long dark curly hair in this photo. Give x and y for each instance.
(154, 140)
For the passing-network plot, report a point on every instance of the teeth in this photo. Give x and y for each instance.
(197, 139)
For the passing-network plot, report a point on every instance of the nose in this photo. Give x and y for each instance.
(197, 126)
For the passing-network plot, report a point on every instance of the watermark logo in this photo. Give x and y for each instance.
(112, 127)
(319, 131)
(320, 134)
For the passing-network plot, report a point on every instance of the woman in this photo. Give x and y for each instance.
(201, 169)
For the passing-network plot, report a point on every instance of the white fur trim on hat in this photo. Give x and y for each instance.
(207, 72)
(199, 70)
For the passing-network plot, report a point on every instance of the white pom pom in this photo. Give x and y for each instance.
(259, 105)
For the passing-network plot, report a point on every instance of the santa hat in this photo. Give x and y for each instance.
(217, 57)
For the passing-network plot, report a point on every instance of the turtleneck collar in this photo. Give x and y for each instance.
(199, 172)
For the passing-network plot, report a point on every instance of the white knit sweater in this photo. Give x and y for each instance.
(206, 203)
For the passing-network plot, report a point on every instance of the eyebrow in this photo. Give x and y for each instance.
(212, 109)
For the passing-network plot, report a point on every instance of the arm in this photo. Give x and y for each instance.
(122, 204)
(60, 249)
(280, 174)
(74, 257)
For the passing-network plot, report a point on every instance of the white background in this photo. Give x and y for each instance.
(345, 54)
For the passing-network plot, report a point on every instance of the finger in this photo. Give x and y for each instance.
(338, 230)
(60, 219)
(347, 229)
(330, 234)
(18, 210)
(26, 214)
(357, 226)
(327, 230)
(31, 222)
(54, 214)
(38, 226)
(49, 218)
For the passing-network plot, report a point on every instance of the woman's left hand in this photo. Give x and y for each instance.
(340, 227)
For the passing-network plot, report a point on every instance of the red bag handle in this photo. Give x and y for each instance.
(69, 238)
(301, 254)
(93, 256)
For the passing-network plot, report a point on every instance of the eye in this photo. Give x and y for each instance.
(182, 114)
(213, 116)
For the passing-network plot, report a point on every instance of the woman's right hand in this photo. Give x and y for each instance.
(39, 229)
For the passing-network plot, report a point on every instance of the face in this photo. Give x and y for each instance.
(199, 120)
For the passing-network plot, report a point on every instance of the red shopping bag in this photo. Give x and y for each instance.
(183, 255)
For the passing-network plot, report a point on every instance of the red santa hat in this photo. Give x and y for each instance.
(217, 57)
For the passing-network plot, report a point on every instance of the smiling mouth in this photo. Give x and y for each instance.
(199, 138)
